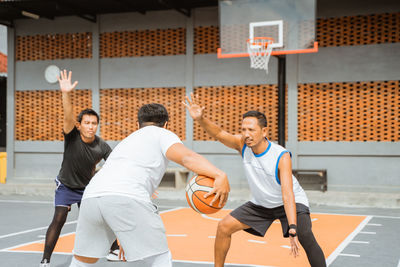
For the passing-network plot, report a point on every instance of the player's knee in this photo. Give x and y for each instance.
(306, 236)
(224, 227)
(60, 215)
(59, 220)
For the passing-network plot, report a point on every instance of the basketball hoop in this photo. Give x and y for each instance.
(259, 49)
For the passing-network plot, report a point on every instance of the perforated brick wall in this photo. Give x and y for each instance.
(119, 109)
(206, 39)
(3, 63)
(225, 106)
(349, 111)
(39, 114)
(341, 31)
(160, 42)
(54, 46)
(359, 30)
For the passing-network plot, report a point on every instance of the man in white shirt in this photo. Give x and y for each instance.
(117, 201)
(276, 193)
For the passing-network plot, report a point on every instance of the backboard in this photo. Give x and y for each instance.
(291, 23)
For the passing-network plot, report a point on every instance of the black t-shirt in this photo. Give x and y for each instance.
(80, 159)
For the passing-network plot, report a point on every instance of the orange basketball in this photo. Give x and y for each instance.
(197, 187)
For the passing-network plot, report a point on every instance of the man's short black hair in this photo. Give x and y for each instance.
(262, 120)
(88, 111)
(153, 113)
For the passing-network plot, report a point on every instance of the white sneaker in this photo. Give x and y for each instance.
(113, 255)
(44, 263)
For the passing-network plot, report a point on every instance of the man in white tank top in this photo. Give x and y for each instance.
(276, 193)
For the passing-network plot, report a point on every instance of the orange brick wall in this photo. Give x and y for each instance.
(359, 30)
(119, 109)
(322, 114)
(206, 40)
(3, 63)
(54, 46)
(341, 31)
(39, 114)
(349, 111)
(160, 42)
(225, 105)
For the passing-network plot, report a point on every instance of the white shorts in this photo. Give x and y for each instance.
(136, 224)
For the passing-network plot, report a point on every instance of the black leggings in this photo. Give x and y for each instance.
(307, 240)
(54, 230)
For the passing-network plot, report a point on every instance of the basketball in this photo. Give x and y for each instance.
(197, 187)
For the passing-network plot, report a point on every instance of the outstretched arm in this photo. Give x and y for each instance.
(285, 177)
(200, 165)
(196, 112)
(66, 88)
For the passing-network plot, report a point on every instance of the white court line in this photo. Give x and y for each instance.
(374, 224)
(35, 252)
(41, 228)
(323, 213)
(286, 246)
(344, 214)
(31, 230)
(26, 201)
(398, 265)
(210, 218)
(360, 242)
(257, 241)
(349, 255)
(341, 247)
(368, 233)
(211, 236)
(226, 264)
(161, 206)
(52, 202)
(178, 235)
(169, 207)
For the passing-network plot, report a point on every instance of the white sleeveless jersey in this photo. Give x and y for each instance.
(262, 175)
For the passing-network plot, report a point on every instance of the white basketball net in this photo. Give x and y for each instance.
(259, 50)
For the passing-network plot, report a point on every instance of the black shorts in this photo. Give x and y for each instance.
(260, 218)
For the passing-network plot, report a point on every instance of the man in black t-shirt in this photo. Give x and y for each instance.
(82, 151)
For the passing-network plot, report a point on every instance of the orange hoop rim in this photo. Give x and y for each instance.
(313, 49)
(269, 40)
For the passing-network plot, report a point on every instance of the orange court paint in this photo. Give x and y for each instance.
(191, 238)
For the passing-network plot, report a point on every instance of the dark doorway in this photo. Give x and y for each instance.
(3, 110)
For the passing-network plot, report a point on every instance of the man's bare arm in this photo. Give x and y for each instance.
(200, 165)
(197, 112)
(66, 88)
(289, 203)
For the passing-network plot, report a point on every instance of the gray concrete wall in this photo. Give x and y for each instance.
(354, 166)
(3, 39)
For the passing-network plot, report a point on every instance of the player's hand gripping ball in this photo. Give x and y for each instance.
(197, 187)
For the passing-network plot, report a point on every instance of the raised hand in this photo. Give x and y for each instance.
(65, 81)
(193, 106)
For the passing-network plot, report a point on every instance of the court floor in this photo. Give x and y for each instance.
(348, 236)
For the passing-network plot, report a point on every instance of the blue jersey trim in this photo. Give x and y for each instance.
(265, 151)
(244, 147)
(277, 164)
